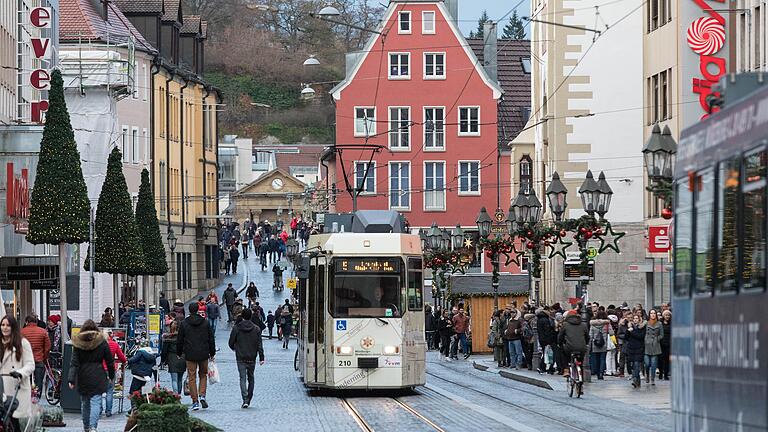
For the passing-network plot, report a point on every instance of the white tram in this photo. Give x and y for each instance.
(361, 303)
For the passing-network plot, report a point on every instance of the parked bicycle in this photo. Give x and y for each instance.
(52, 379)
(575, 378)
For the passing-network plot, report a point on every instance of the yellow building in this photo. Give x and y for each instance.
(183, 144)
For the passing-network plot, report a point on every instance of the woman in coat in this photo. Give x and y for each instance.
(654, 332)
(634, 346)
(86, 372)
(176, 364)
(17, 361)
(497, 328)
(599, 332)
(666, 341)
(445, 329)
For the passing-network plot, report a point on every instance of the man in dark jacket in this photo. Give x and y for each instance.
(546, 330)
(273, 247)
(574, 337)
(270, 323)
(196, 343)
(230, 295)
(234, 255)
(212, 313)
(513, 335)
(251, 293)
(164, 303)
(245, 340)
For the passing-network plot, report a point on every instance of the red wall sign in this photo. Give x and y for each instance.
(40, 17)
(17, 198)
(659, 240)
(706, 36)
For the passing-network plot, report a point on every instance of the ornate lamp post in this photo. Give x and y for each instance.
(444, 253)
(659, 153)
(171, 243)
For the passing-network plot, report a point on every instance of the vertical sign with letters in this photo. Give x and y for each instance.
(40, 79)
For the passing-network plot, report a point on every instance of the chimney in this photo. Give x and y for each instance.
(453, 10)
(490, 57)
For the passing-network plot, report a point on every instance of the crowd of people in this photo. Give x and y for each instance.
(616, 340)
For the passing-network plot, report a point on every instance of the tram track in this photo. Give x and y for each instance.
(365, 426)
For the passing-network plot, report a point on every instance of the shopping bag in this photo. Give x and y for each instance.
(213, 373)
(186, 387)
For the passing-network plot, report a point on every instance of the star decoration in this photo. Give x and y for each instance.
(610, 239)
(468, 243)
(516, 255)
(558, 247)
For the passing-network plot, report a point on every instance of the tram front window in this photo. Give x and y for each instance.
(370, 296)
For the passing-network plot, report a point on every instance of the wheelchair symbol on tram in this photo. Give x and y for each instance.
(341, 325)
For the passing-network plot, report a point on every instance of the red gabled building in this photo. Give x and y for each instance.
(418, 91)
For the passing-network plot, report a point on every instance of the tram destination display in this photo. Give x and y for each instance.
(367, 265)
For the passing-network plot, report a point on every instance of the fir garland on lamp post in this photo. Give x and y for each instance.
(118, 246)
(444, 252)
(59, 206)
(148, 226)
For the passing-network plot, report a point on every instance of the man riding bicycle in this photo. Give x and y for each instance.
(573, 337)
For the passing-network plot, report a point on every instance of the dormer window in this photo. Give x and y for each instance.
(428, 22)
(404, 23)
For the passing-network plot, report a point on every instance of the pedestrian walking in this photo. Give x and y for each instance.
(545, 329)
(227, 260)
(230, 295)
(654, 332)
(263, 254)
(41, 346)
(196, 343)
(86, 371)
(635, 347)
(178, 308)
(599, 332)
(245, 341)
(119, 358)
(461, 327)
(234, 255)
(277, 279)
(270, 323)
(245, 240)
(445, 329)
(665, 342)
(430, 326)
(142, 366)
(286, 322)
(251, 293)
(273, 247)
(176, 363)
(213, 313)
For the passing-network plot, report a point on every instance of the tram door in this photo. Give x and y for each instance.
(316, 334)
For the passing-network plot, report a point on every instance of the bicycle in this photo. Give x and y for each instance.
(52, 379)
(575, 378)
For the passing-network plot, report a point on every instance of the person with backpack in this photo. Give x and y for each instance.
(195, 342)
(599, 332)
(286, 322)
(529, 338)
(513, 334)
(142, 366)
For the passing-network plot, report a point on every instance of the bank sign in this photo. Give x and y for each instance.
(703, 57)
(39, 18)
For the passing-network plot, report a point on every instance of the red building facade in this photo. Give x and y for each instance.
(420, 93)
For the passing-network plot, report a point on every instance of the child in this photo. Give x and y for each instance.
(142, 367)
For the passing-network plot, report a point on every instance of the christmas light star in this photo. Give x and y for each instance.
(610, 239)
(558, 247)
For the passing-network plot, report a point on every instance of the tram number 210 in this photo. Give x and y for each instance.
(345, 362)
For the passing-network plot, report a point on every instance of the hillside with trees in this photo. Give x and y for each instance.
(255, 55)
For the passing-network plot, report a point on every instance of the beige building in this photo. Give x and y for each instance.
(273, 197)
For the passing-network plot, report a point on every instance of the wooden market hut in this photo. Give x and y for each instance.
(475, 291)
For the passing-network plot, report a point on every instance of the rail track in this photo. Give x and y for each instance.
(367, 427)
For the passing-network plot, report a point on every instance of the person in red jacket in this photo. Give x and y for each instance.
(119, 357)
(41, 346)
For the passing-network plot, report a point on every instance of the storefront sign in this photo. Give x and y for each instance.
(17, 198)
(44, 284)
(40, 18)
(705, 56)
(658, 239)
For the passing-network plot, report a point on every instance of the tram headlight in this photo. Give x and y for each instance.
(389, 349)
(344, 350)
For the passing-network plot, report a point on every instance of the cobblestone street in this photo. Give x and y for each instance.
(457, 397)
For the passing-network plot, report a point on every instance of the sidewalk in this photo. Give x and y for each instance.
(653, 397)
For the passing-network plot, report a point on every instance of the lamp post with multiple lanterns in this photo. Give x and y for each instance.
(445, 252)
(659, 153)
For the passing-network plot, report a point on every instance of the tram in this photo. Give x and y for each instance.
(361, 305)
(719, 334)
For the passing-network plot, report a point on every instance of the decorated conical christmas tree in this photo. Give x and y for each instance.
(59, 207)
(149, 230)
(118, 248)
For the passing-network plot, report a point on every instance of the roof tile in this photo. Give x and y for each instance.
(191, 24)
(171, 10)
(80, 19)
(140, 6)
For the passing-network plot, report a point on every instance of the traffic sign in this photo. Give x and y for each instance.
(592, 253)
(341, 325)
(291, 283)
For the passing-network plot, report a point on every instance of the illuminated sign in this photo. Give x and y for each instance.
(572, 270)
(368, 265)
(17, 198)
(40, 18)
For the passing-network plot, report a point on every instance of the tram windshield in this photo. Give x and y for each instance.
(373, 296)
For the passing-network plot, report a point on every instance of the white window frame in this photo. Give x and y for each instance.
(146, 82)
(469, 179)
(389, 186)
(410, 23)
(370, 122)
(434, 66)
(426, 192)
(469, 123)
(424, 20)
(136, 83)
(391, 131)
(135, 145)
(370, 177)
(424, 127)
(124, 143)
(146, 145)
(399, 66)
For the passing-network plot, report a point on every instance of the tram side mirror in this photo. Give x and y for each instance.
(302, 269)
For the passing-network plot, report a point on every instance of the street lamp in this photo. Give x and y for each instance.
(604, 195)
(659, 154)
(171, 240)
(457, 235)
(483, 223)
(307, 92)
(329, 12)
(556, 193)
(589, 192)
(312, 61)
(435, 237)
(519, 208)
(446, 239)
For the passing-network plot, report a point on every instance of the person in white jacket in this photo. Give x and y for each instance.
(17, 365)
